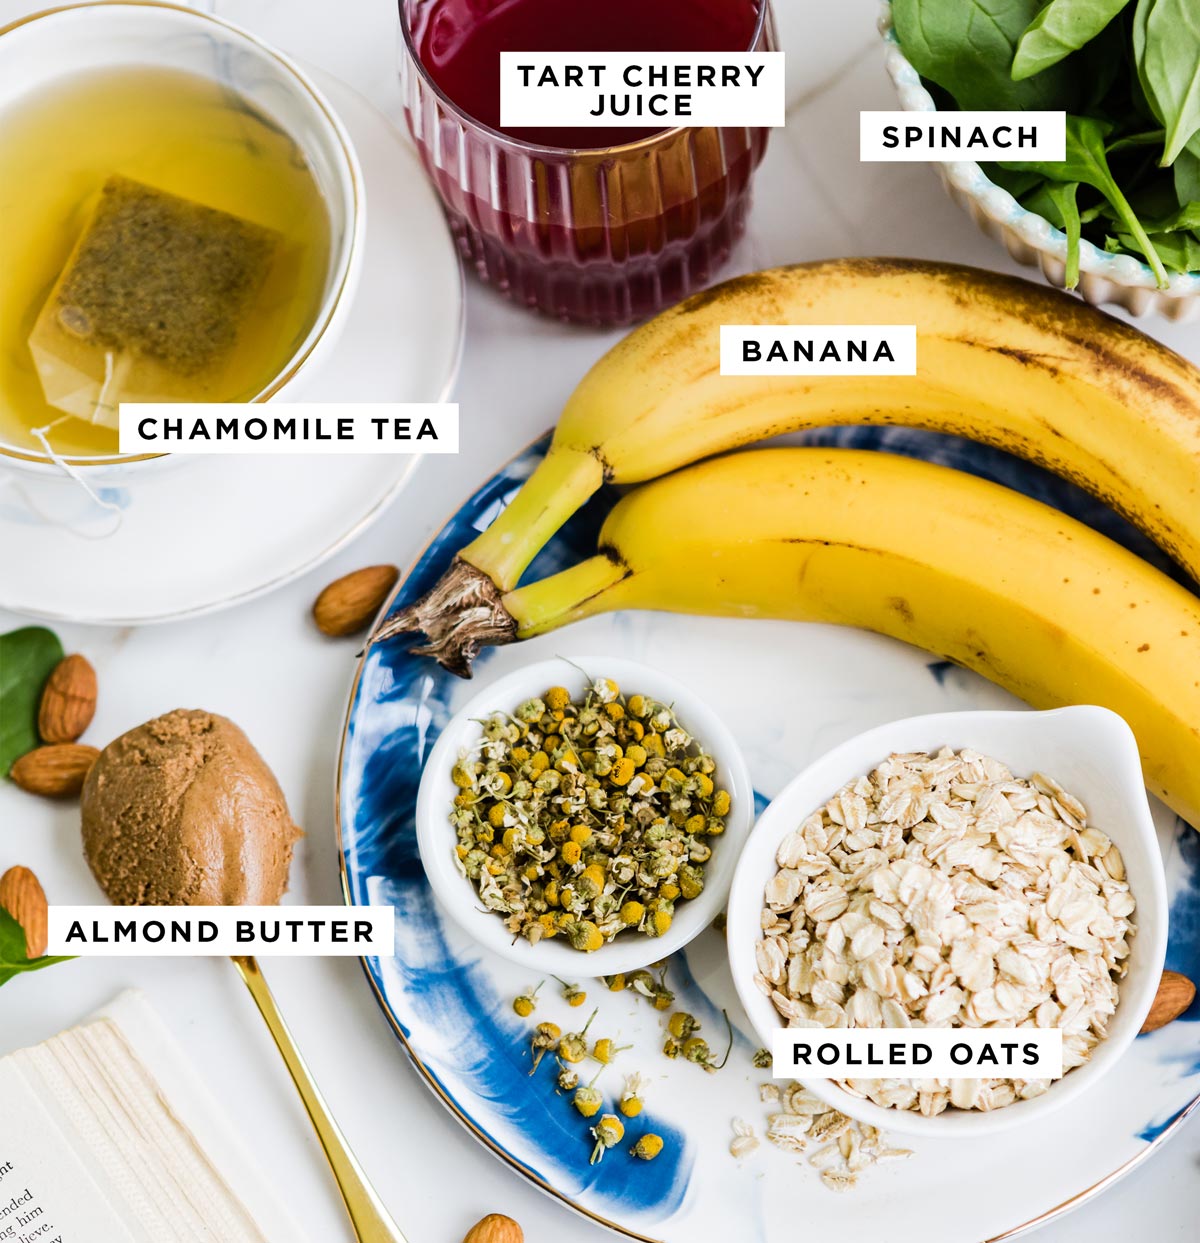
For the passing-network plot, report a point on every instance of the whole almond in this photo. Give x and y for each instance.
(349, 603)
(56, 771)
(495, 1228)
(22, 897)
(1175, 993)
(68, 700)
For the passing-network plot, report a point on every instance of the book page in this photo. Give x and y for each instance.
(47, 1195)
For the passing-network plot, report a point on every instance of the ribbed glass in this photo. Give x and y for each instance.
(601, 237)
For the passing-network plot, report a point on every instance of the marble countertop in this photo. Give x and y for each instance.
(264, 665)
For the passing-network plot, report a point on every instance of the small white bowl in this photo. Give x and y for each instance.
(59, 44)
(1104, 279)
(628, 951)
(1092, 753)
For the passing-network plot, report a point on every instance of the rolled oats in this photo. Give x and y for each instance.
(942, 891)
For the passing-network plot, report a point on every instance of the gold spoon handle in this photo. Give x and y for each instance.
(371, 1221)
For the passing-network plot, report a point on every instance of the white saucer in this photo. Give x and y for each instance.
(210, 532)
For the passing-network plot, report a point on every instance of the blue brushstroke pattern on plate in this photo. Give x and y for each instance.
(400, 705)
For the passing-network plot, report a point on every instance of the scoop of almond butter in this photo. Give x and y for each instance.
(495, 1228)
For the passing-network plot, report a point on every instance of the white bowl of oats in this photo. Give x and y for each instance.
(584, 817)
(961, 870)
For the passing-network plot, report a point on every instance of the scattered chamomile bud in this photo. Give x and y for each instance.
(664, 999)
(762, 1059)
(672, 1048)
(647, 1147)
(568, 1079)
(631, 1103)
(604, 1050)
(609, 1132)
(681, 1025)
(545, 1037)
(695, 1049)
(587, 1099)
(614, 983)
(572, 994)
(642, 982)
(526, 1003)
(573, 1046)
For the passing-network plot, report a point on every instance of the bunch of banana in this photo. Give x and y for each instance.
(999, 360)
(966, 569)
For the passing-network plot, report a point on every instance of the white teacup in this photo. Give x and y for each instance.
(58, 44)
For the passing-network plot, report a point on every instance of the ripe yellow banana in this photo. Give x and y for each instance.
(964, 568)
(999, 360)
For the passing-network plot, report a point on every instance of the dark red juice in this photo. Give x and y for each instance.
(601, 226)
(462, 42)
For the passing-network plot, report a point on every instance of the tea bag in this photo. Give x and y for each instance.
(149, 304)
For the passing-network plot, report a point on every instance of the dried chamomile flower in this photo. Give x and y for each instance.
(545, 1037)
(614, 983)
(695, 1048)
(681, 1025)
(526, 1003)
(762, 1059)
(573, 1046)
(604, 1050)
(567, 1079)
(647, 1147)
(587, 1099)
(609, 1132)
(630, 1102)
(643, 982)
(572, 994)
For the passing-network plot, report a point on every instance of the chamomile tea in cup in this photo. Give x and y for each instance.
(180, 223)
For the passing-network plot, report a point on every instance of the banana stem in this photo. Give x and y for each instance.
(564, 597)
(563, 480)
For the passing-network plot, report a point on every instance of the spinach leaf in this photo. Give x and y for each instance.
(1144, 138)
(967, 48)
(1018, 184)
(1169, 63)
(1186, 171)
(26, 658)
(1178, 251)
(1061, 28)
(13, 956)
(1186, 219)
(1086, 162)
(1057, 202)
(1137, 35)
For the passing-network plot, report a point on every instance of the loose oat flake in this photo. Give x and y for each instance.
(942, 891)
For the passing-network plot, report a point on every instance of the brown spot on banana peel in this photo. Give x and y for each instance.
(902, 606)
(1090, 330)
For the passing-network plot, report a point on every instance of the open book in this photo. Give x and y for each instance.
(108, 1135)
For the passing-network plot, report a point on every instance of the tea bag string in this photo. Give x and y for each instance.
(42, 436)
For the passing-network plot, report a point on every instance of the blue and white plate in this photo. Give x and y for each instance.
(790, 692)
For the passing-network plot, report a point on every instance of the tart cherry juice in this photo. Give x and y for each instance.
(600, 225)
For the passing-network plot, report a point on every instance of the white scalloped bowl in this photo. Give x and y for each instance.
(1104, 279)
(1093, 753)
